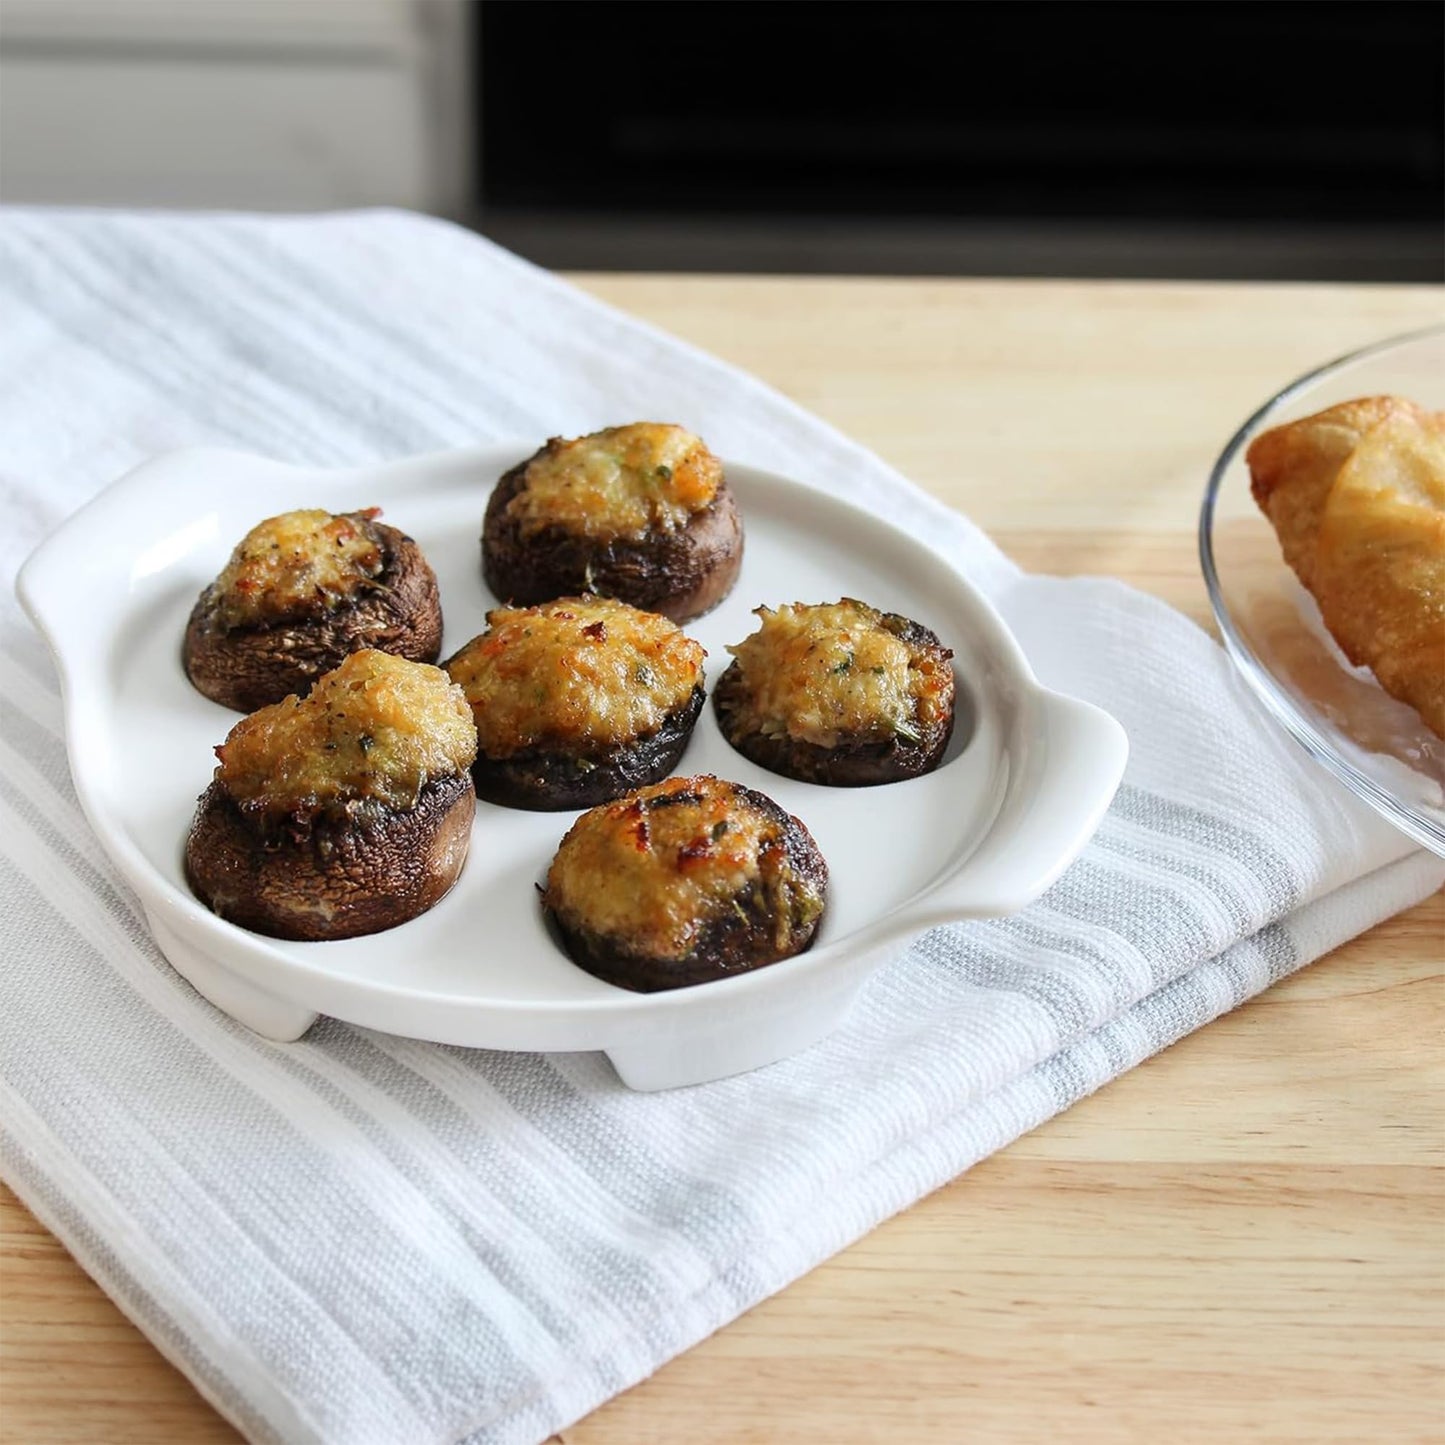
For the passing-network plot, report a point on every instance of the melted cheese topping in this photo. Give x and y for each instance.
(297, 565)
(652, 870)
(838, 672)
(621, 483)
(378, 727)
(578, 673)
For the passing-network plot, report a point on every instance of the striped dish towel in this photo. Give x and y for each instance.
(359, 1238)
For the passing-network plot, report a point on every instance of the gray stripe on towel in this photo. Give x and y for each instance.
(711, 1219)
(1168, 817)
(182, 1123)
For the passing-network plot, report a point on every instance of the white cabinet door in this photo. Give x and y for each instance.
(267, 104)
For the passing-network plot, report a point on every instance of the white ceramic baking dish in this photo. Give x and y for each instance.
(1026, 780)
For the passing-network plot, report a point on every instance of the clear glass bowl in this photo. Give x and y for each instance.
(1376, 746)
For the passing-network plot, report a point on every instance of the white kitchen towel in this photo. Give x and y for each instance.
(358, 1238)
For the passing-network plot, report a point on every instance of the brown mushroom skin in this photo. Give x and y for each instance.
(554, 781)
(330, 876)
(744, 938)
(680, 574)
(246, 668)
(855, 763)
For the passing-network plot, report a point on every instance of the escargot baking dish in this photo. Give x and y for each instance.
(300, 592)
(683, 882)
(641, 513)
(577, 701)
(341, 813)
(838, 693)
(311, 851)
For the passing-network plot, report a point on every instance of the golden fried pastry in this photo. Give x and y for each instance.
(1357, 496)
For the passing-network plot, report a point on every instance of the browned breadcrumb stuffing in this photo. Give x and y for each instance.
(297, 564)
(831, 672)
(375, 728)
(581, 671)
(623, 482)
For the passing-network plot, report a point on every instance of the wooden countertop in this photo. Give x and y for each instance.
(1240, 1240)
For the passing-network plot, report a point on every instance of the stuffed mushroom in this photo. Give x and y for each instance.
(577, 701)
(301, 591)
(687, 881)
(641, 513)
(341, 813)
(838, 693)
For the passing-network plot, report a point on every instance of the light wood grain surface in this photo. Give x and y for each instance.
(1241, 1240)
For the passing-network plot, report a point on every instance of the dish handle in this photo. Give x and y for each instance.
(1070, 776)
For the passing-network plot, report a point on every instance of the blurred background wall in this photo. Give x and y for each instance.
(1259, 140)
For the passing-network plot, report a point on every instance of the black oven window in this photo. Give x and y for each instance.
(1028, 117)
